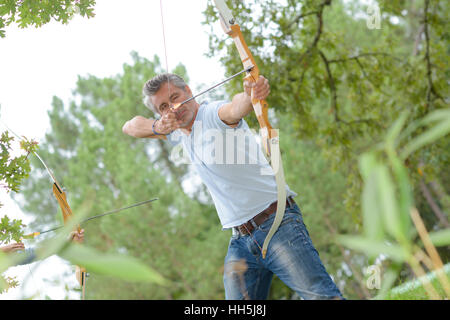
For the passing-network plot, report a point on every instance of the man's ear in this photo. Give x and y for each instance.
(188, 90)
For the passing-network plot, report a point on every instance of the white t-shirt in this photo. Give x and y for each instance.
(230, 163)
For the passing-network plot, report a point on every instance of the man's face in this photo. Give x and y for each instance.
(161, 100)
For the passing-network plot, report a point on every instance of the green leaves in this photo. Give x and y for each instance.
(373, 222)
(439, 121)
(37, 13)
(387, 196)
(388, 203)
(10, 230)
(14, 169)
(381, 211)
(440, 238)
(115, 265)
(374, 248)
(394, 131)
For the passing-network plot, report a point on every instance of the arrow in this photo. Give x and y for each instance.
(177, 105)
(34, 234)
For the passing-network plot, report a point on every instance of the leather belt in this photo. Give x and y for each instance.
(250, 225)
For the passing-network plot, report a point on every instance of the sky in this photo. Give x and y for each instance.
(39, 63)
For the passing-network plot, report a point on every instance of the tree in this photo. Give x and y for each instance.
(343, 84)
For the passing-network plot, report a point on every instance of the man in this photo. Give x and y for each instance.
(243, 193)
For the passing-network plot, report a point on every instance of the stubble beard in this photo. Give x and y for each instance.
(188, 116)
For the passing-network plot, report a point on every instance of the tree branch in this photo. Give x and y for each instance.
(418, 38)
(435, 208)
(319, 15)
(368, 78)
(333, 92)
(301, 16)
(332, 86)
(367, 54)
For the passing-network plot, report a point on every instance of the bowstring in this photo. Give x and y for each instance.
(165, 48)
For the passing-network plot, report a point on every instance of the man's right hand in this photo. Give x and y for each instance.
(141, 127)
(167, 123)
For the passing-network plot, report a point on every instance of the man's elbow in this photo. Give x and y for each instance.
(128, 129)
(125, 128)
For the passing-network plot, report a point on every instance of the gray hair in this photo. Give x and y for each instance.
(153, 85)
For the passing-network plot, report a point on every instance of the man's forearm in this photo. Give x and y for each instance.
(241, 105)
(139, 127)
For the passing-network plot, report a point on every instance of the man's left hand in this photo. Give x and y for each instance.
(77, 236)
(261, 88)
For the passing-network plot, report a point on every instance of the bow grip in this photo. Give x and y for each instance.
(261, 108)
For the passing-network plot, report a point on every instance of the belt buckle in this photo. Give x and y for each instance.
(238, 231)
(242, 230)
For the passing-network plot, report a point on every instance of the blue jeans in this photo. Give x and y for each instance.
(290, 255)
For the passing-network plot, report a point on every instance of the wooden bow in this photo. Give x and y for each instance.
(269, 136)
(61, 197)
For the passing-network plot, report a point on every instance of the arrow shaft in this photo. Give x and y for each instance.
(120, 209)
(177, 105)
(97, 216)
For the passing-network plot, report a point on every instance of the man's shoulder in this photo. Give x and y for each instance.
(208, 110)
(212, 105)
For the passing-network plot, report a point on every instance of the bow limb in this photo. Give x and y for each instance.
(269, 136)
(261, 107)
(60, 196)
